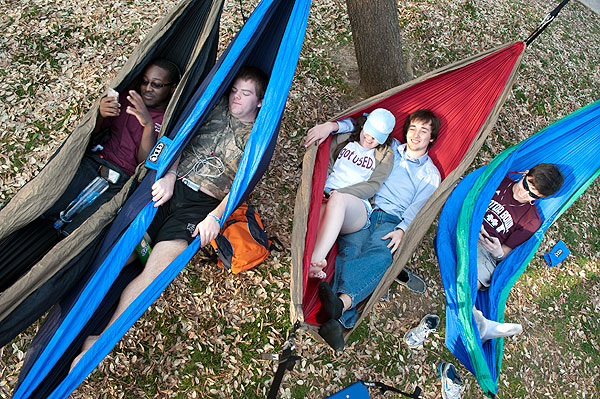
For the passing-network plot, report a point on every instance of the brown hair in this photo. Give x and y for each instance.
(424, 115)
(257, 76)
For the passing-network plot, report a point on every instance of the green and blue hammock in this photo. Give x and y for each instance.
(572, 143)
(270, 39)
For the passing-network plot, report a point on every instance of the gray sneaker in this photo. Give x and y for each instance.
(411, 281)
(452, 386)
(416, 336)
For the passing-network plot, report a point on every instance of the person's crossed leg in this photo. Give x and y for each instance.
(363, 259)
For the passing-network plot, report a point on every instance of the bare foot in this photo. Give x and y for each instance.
(316, 269)
(87, 344)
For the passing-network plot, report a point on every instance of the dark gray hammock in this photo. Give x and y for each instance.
(36, 269)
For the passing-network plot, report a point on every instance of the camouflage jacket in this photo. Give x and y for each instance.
(212, 156)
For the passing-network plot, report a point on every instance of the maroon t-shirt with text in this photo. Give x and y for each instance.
(126, 135)
(511, 221)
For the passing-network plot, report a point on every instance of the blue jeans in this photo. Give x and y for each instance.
(362, 260)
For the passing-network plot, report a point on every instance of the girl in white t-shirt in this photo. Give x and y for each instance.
(344, 213)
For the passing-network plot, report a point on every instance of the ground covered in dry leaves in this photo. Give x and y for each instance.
(205, 335)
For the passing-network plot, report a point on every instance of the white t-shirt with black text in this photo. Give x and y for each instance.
(354, 164)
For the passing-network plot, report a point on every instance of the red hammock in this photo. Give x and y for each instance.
(462, 98)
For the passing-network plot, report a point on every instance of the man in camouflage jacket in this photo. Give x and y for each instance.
(193, 194)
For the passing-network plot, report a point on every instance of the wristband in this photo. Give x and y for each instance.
(172, 171)
(499, 258)
(214, 217)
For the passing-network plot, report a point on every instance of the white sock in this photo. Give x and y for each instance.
(489, 329)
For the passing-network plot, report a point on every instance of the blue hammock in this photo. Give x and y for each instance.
(271, 39)
(572, 143)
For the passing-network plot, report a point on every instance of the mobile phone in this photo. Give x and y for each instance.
(487, 237)
(112, 93)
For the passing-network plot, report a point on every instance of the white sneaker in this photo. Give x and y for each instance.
(452, 386)
(416, 336)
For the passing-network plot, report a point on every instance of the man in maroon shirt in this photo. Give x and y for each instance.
(135, 126)
(132, 131)
(132, 123)
(510, 219)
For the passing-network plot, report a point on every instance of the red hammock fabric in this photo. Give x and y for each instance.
(461, 98)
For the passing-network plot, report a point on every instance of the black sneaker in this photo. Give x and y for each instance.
(411, 281)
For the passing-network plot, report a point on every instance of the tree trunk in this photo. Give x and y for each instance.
(377, 42)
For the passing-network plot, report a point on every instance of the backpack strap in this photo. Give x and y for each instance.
(272, 247)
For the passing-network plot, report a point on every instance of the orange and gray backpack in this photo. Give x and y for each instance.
(242, 242)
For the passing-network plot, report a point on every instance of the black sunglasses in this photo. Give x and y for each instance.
(526, 187)
(156, 85)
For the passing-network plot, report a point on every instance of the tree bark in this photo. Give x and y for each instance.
(377, 43)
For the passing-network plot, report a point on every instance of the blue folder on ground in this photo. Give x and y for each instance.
(558, 253)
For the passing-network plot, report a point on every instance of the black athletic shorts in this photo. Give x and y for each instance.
(178, 217)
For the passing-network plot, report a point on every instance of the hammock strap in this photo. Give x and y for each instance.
(549, 18)
(384, 388)
(244, 18)
(287, 361)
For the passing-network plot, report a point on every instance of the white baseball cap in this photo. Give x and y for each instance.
(379, 124)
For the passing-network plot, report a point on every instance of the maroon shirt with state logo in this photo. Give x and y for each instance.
(126, 135)
(511, 221)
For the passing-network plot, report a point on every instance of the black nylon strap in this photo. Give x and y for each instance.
(287, 361)
(384, 388)
(274, 240)
(549, 18)
(244, 18)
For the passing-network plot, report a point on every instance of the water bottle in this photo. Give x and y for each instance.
(83, 200)
(143, 251)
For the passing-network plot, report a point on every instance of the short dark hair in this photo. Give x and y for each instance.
(173, 71)
(546, 178)
(257, 76)
(424, 115)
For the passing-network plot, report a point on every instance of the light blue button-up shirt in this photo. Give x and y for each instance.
(408, 187)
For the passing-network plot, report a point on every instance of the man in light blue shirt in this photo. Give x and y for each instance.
(364, 256)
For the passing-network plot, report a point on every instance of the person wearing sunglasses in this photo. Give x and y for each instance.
(125, 133)
(510, 219)
(131, 124)
(134, 119)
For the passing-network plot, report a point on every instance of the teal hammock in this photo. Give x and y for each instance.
(572, 143)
